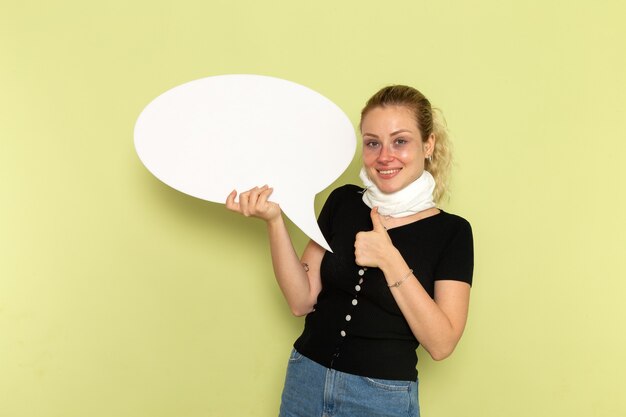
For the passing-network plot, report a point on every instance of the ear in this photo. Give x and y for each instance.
(429, 145)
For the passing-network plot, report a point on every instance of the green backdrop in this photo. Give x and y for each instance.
(122, 297)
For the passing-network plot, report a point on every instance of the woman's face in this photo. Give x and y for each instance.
(393, 151)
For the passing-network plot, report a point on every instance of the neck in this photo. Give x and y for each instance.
(412, 199)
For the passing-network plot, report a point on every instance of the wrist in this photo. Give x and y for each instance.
(400, 281)
(391, 261)
(275, 222)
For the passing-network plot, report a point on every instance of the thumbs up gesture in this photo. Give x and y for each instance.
(374, 247)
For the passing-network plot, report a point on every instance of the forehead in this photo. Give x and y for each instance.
(389, 118)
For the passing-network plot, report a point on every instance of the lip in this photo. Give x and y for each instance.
(388, 173)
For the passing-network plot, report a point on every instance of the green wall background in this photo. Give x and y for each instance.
(122, 297)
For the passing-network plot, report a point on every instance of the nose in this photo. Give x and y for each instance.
(385, 155)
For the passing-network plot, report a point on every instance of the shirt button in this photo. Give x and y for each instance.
(343, 333)
(357, 287)
(355, 302)
(361, 272)
(361, 281)
(348, 317)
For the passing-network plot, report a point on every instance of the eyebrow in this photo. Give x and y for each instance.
(392, 133)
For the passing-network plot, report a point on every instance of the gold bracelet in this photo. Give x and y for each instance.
(398, 283)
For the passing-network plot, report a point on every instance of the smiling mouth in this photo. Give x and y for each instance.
(388, 171)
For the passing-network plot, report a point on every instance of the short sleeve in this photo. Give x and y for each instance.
(457, 260)
(325, 219)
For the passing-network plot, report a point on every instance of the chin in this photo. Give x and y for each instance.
(388, 188)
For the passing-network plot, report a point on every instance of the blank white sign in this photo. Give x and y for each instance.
(210, 136)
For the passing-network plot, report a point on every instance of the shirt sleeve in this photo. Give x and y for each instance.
(325, 219)
(457, 260)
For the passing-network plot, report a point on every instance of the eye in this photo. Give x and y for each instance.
(401, 141)
(372, 144)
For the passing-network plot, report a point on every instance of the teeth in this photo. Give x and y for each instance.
(388, 171)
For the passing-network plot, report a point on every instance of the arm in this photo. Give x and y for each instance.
(438, 324)
(299, 287)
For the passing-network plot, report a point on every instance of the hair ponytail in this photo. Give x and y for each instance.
(441, 163)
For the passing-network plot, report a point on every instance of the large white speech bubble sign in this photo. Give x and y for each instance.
(210, 136)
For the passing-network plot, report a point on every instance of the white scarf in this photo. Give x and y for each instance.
(415, 197)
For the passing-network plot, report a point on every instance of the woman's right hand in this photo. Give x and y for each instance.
(254, 203)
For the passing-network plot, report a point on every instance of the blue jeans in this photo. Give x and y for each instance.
(312, 390)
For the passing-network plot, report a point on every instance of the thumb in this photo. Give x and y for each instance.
(376, 222)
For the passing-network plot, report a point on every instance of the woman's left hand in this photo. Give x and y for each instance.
(373, 248)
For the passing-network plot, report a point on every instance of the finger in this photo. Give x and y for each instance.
(244, 203)
(230, 201)
(357, 253)
(266, 192)
(254, 205)
(359, 257)
(356, 239)
(253, 199)
(360, 242)
(376, 222)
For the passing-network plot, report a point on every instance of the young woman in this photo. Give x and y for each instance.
(399, 275)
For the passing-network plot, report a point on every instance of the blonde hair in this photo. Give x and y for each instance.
(429, 121)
